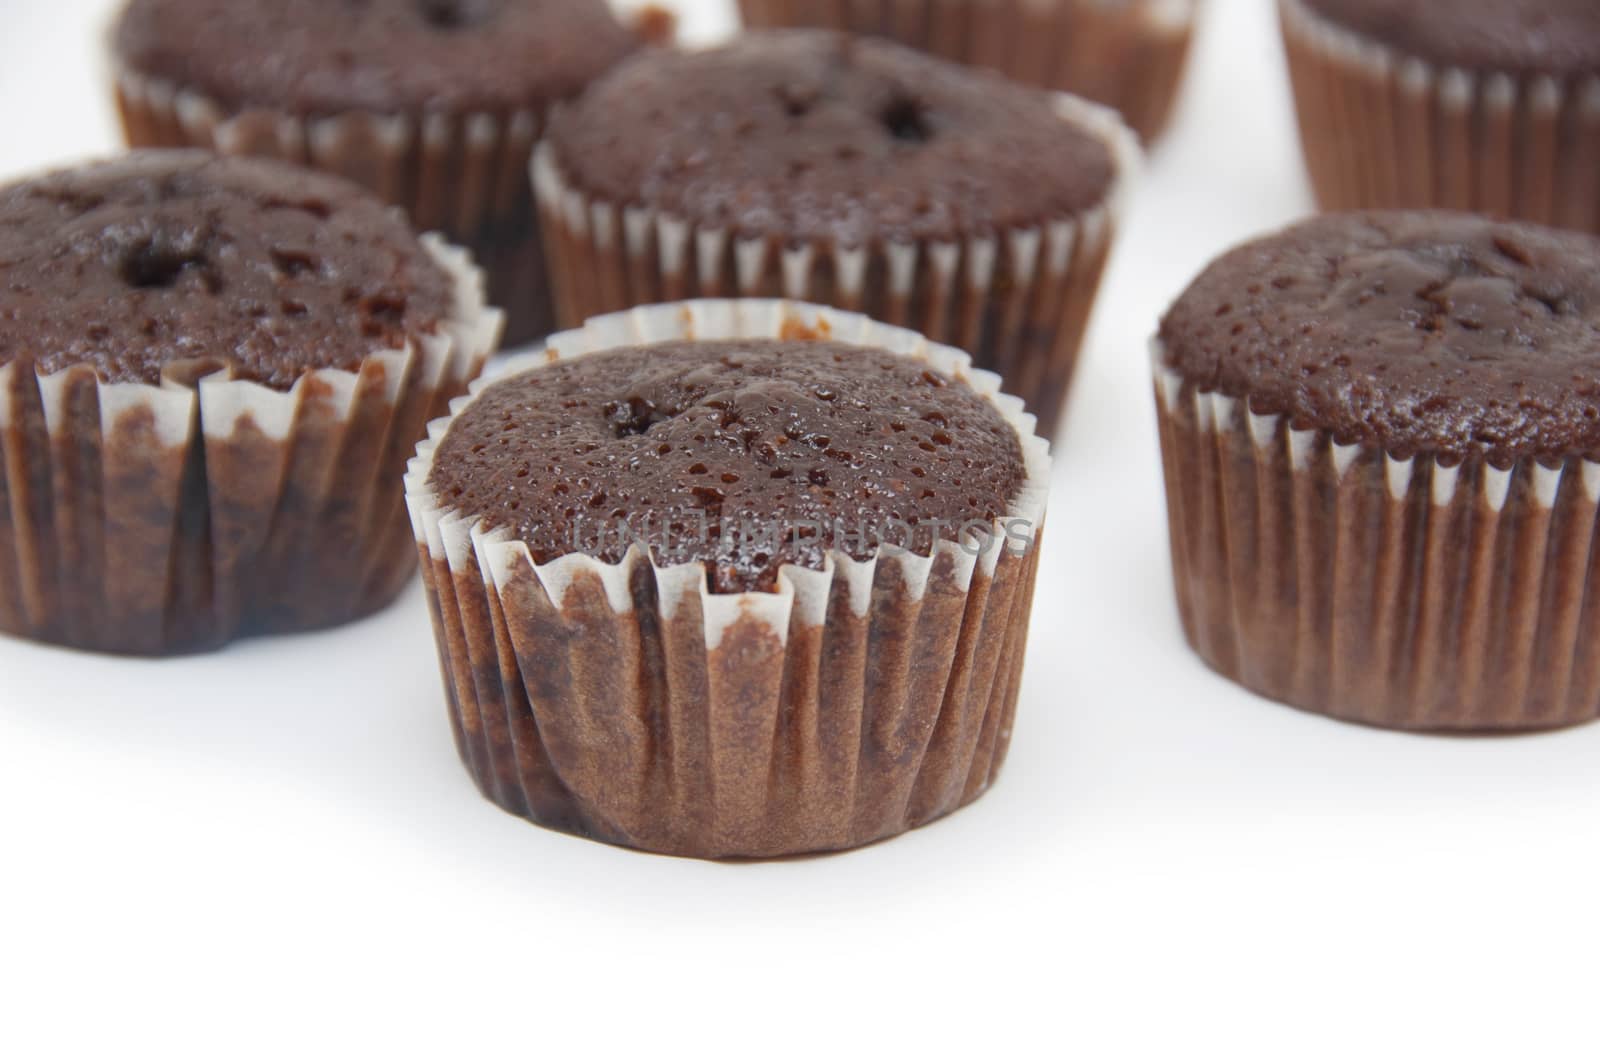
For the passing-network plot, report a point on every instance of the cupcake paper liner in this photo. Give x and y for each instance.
(1126, 54)
(1400, 592)
(1019, 301)
(630, 704)
(1383, 129)
(463, 174)
(158, 519)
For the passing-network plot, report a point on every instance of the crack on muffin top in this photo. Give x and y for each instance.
(1425, 332)
(1557, 37)
(747, 455)
(321, 57)
(810, 135)
(163, 257)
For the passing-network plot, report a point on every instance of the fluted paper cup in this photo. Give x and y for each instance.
(1398, 591)
(629, 703)
(1126, 54)
(1384, 129)
(159, 519)
(1019, 301)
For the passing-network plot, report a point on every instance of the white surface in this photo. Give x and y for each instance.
(273, 853)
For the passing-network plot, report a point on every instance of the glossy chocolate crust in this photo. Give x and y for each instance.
(156, 258)
(816, 136)
(328, 56)
(747, 455)
(1422, 332)
(1559, 37)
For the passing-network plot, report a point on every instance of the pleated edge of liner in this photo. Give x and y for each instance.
(1455, 86)
(222, 402)
(460, 539)
(1215, 411)
(203, 118)
(1058, 237)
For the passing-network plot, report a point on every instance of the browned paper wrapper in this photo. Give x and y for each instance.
(629, 704)
(1020, 302)
(1126, 54)
(463, 174)
(1403, 593)
(158, 519)
(1382, 129)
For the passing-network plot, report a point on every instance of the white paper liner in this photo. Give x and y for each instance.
(1126, 54)
(1381, 128)
(480, 587)
(153, 519)
(1400, 592)
(1021, 302)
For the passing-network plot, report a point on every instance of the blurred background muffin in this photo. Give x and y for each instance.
(1126, 54)
(1483, 105)
(433, 104)
(845, 170)
(212, 372)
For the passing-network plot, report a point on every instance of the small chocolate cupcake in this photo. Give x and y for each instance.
(212, 372)
(1126, 54)
(1382, 442)
(732, 578)
(1483, 105)
(433, 104)
(847, 171)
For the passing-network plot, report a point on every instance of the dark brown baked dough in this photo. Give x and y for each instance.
(327, 56)
(1423, 332)
(689, 440)
(1517, 36)
(811, 135)
(167, 256)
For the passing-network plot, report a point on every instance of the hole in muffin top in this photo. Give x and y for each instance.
(905, 120)
(154, 263)
(452, 14)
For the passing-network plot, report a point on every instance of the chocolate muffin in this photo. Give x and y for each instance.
(433, 104)
(1126, 54)
(732, 578)
(211, 374)
(1383, 464)
(1484, 105)
(849, 171)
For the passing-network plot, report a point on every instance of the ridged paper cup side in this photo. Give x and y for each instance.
(1406, 593)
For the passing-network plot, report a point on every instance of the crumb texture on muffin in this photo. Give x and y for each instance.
(1423, 332)
(812, 135)
(1516, 36)
(327, 56)
(162, 257)
(747, 455)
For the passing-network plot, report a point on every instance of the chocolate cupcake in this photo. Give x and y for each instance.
(1382, 442)
(1126, 54)
(732, 578)
(848, 171)
(212, 372)
(433, 104)
(1484, 105)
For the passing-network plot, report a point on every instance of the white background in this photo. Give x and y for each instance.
(272, 852)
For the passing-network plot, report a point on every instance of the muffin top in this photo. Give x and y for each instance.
(812, 135)
(171, 256)
(1516, 36)
(327, 56)
(747, 455)
(1426, 332)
